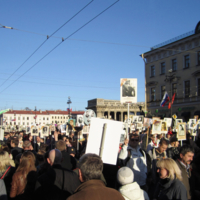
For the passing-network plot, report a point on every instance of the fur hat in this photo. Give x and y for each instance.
(125, 175)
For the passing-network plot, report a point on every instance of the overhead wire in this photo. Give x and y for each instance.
(48, 36)
(60, 44)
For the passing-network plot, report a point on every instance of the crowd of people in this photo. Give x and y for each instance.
(149, 166)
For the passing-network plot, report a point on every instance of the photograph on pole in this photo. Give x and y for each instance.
(128, 90)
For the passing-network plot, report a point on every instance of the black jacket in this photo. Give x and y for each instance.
(56, 183)
(173, 153)
(68, 162)
(15, 151)
(168, 189)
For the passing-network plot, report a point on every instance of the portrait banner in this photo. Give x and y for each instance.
(168, 121)
(45, 131)
(128, 90)
(181, 131)
(156, 128)
(34, 131)
(146, 122)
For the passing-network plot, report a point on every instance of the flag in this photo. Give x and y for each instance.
(35, 117)
(173, 97)
(69, 109)
(165, 99)
(172, 101)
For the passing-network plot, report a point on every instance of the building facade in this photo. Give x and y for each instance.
(174, 66)
(113, 109)
(26, 118)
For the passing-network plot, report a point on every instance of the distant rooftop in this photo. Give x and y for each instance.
(196, 31)
(173, 39)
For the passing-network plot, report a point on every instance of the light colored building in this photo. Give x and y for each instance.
(113, 109)
(26, 118)
(174, 66)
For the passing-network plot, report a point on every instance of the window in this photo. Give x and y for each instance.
(10, 123)
(52, 122)
(174, 65)
(187, 89)
(14, 123)
(18, 118)
(23, 123)
(52, 117)
(153, 94)
(162, 68)
(27, 118)
(63, 117)
(152, 71)
(198, 58)
(162, 91)
(18, 123)
(61, 121)
(23, 118)
(58, 122)
(174, 88)
(10, 118)
(47, 118)
(186, 62)
(27, 123)
(60, 117)
(43, 118)
(55, 117)
(198, 85)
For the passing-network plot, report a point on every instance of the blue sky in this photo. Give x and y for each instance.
(90, 63)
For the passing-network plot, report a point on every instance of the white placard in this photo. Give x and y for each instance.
(128, 90)
(169, 121)
(112, 139)
(157, 124)
(44, 131)
(192, 123)
(34, 131)
(79, 120)
(1, 134)
(63, 128)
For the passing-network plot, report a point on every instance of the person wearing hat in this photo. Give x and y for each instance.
(129, 189)
(136, 159)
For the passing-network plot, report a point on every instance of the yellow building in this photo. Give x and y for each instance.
(174, 66)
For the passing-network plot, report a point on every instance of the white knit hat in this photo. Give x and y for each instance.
(125, 175)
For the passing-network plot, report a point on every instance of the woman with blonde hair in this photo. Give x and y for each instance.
(24, 179)
(169, 186)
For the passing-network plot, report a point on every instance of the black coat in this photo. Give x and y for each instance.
(56, 183)
(168, 189)
(68, 162)
(15, 151)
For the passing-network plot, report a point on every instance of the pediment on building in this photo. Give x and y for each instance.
(196, 73)
(152, 83)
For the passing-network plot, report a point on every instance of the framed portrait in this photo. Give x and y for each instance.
(28, 129)
(192, 123)
(164, 127)
(156, 128)
(34, 131)
(79, 120)
(45, 131)
(52, 128)
(135, 119)
(146, 122)
(140, 119)
(194, 131)
(128, 90)
(181, 131)
(63, 128)
(168, 121)
(87, 116)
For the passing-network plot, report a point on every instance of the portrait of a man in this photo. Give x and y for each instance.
(127, 89)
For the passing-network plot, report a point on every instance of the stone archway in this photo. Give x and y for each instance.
(112, 115)
(106, 115)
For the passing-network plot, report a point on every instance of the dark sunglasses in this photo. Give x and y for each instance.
(134, 140)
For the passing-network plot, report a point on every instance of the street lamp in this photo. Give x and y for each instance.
(69, 102)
